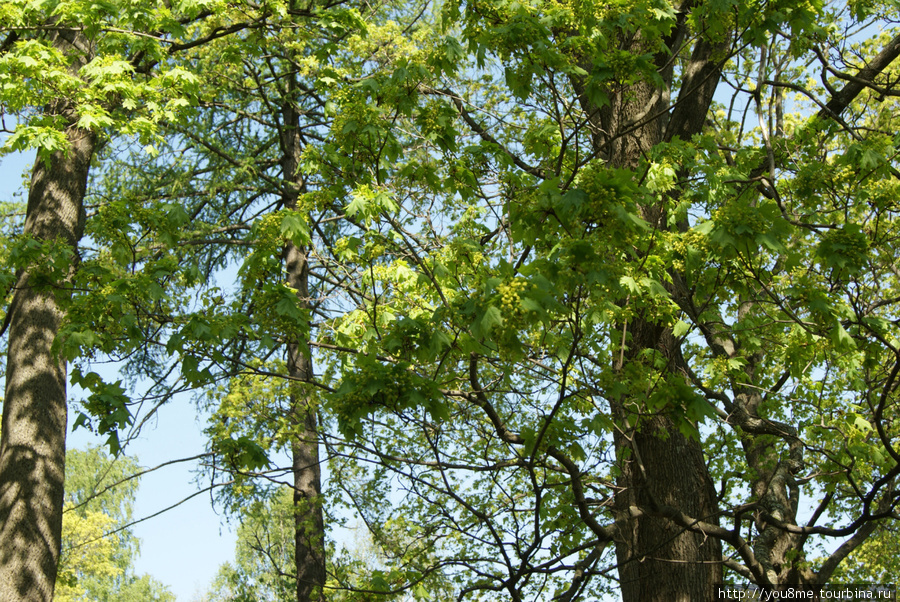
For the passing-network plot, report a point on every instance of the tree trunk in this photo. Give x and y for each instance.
(33, 443)
(659, 466)
(660, 561)
(309, 520)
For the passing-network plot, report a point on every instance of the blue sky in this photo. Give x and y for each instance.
(183, 547)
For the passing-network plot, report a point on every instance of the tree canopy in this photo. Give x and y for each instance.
(99, 549)
(557, 299)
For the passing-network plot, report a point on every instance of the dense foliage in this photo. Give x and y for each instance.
(568, 298)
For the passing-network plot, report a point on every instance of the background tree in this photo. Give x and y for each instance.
(263, 566)
(99, 549)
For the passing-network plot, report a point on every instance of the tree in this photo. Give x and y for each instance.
(264, 567)
(98, 549)
(243, 196)
(590, 293)
(32, 450)
(72, 74)
(633, 258)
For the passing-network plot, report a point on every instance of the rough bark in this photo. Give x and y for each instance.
(659, 560)
(310, 523)
(33, 444)
(309, 519)
(659, 466)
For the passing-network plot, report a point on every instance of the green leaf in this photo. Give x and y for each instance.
(294, 228)
(491, 318)
(680, 329)
(841, 337)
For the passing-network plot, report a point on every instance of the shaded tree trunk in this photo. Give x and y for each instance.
(309, 519)
(659, 560)
(33, 444)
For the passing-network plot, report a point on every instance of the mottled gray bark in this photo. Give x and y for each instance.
(33, 444)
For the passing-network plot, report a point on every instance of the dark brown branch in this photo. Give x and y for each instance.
(843, 97)
(482, 400)
(605, 533)
(486, 136)
(698, 526)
